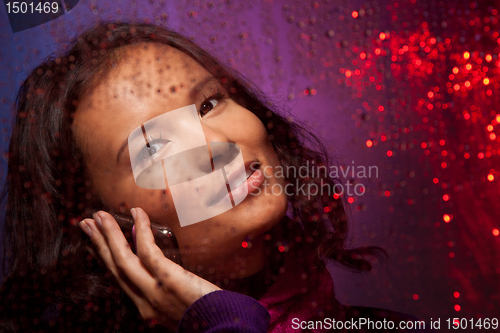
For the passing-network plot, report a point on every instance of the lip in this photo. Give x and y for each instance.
(254, 180)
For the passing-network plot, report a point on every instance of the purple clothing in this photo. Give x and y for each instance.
(225, 311)
(301, 293)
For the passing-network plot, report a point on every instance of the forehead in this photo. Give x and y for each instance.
(147, 80)
(146, 64)
(145, 71)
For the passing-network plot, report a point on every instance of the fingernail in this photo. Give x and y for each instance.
(98, 220)
(85, 228)
(133, 212)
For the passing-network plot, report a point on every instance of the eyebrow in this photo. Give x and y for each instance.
(195, 90)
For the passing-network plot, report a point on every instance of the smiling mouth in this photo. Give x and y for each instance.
(252, 181)
(250, 170)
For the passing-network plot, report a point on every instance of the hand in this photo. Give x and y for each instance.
(161, 289)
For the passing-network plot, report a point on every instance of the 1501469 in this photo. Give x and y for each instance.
(31, 8)
(471, 324)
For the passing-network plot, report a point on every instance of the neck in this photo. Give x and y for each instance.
(257, 284)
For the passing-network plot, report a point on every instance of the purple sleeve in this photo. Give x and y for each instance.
(225, 311)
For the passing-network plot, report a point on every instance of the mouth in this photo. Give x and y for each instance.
(254, 177)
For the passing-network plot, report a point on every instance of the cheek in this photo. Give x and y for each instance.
(156, 203)
(122, 193)
(241, 120)
(256, 130)
(247, 130)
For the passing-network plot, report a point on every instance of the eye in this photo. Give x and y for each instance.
(153, 148)
(208, 105)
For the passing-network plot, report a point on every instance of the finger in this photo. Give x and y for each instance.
(186, 285)
(124, 259)
(168, 275)
(100, 243)
(134, 268)
(136, 295)
(147, 250)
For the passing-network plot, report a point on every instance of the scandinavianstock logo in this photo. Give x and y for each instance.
(170, 151)
(29, 14)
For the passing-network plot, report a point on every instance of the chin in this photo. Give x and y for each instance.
(242, 253)
(254, 219)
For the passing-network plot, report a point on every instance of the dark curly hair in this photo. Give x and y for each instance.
(50, 270)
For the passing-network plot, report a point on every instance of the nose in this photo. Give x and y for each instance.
(220, 146)
(196, 162)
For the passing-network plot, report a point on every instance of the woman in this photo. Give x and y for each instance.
(68, 158)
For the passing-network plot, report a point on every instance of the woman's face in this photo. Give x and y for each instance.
(153, 79)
